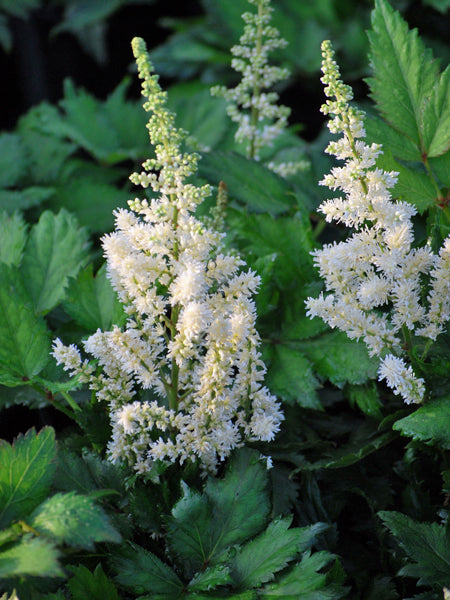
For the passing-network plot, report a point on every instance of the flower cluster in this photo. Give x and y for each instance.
(260, 119)
(183, 378)
(376, 277)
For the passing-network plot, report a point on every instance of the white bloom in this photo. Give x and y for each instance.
(401, 379)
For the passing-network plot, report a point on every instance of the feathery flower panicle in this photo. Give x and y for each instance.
(374, 278)
(260, 119)
(190, 338)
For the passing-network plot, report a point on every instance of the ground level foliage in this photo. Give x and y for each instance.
(199, 435)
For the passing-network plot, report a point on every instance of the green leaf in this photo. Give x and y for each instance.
(291, 378)
(26, 471)
(413, 186)
(210, 578)
(305, 581)
(95, 586)
(406, 86)
(24, 338)
(204, 117)
(111, 131)
(73, 519)
(144, 573)
(55, 251)
(248, 182)
(339, 359)
(427, 544)
(92, 202)
(13, 233)
(13, 200)
(13, 160)
(30, 557)
(92, 302)
(258, 561)
(230, 510)
(430, 423)
(288, 241)
(366, 398)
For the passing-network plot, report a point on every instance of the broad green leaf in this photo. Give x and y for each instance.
(427, 544)
(248, 182)
(26, 471)
(13, 159)
(430, 423)
(74, 520)
(406, 85)
(30, 557)
(339, 359)
(92, 302)
(56, 250)
(95, 586)
(258, 561)
(189, 531)
(306, 581)
(240, 500)
(440, 166)
(291, 377)
(229, 511)
(13, 234)
(210, 578)
(144, 573)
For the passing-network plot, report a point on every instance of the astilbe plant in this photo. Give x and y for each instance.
(376, 279)
(190, 340)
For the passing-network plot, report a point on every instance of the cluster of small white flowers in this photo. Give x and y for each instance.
(260, 119)
(190, 338)
(374, 277)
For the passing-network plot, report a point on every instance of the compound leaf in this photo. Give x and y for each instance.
(13, 233)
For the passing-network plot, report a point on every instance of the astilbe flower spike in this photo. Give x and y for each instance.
(374, 278)
(252, 104)
(190, 337)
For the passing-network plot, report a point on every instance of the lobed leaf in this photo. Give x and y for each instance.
(427, 544)
(305, 581)
(95, 586)
(74, 520)
(210, 578)
(26, 471)
(30, 557)
(429, 423)
(413, 98)
(13, 159)
(56, 250)
(257, 561)
(144, 573)
(230, 511)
